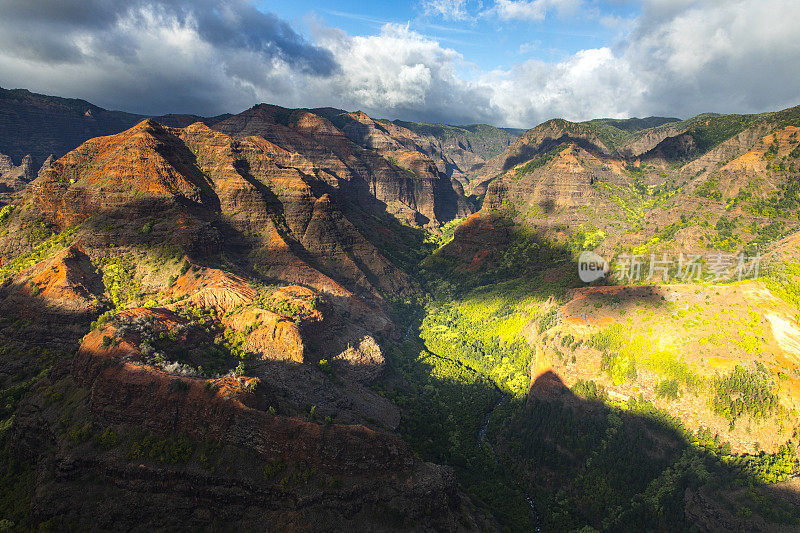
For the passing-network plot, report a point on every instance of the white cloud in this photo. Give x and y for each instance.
(398, 73)
(447, 9)
(530, 10)
(591, 83)
(717, 56)
(679, 59)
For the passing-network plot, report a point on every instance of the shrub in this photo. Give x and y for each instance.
(709, 189)
(5, 212)
(668, 388)
(745, 392)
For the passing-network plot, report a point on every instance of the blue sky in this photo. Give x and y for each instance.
(504, 62)
(483, 39)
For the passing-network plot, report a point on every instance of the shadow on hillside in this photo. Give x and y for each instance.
(118, 449)
(581, 461)
(528, 152)
(586, 462)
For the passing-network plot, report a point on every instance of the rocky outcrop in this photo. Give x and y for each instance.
(361, 174)
(212, 288)
(465, 146)
(125, 390)
(66, 283)
(363, 362)
(15, 177)
(236, 463)
(644, 142)
(38, 126)
(564, 189)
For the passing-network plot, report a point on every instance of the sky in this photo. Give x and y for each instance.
(512, 63)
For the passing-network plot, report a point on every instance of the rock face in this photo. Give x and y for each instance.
(15, 177)
(651, 187)
(140, 439)
(236, 286)
(565, 184)
(300, 225)
(465, 146)
(65, 283)
(420, 195)
(39, 125)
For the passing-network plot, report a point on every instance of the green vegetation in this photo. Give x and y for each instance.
(49, 244)
(447, 232)
(199, 347)
(637, 198)
(622, 352)
(745, 392)
(472, 338)
(618, 364)
(626, 467)
(486, 141)
(668, 388)
(709, 189)
(119, 279)
(32, 365)
(783, 281)
(445, 405)
(764, 235)
(5, 212)
(523, 256)
(540, 160)
(784, 203)
(616, 132)
(726, 239)
(585, 237)
(162, 449)
(710, 131)
(482, 330)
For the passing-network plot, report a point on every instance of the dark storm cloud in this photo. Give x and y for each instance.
(58, 31)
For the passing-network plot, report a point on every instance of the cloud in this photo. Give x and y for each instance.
(591, 83)
(530, 10)
(153, 56)
(733, 56)
(399, 73)
(447, 9)
(678, 58)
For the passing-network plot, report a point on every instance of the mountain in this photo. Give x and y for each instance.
(35, 127)
(705, 360)
(402, 176)
(38, 127)
(668, 186)
(467, 146)
(296, 317)
(240, 289)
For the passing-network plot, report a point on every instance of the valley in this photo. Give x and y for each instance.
(319, 320)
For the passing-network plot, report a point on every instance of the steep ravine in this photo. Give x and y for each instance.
(483, 441)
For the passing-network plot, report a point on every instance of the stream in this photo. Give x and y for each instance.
(483, 441)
